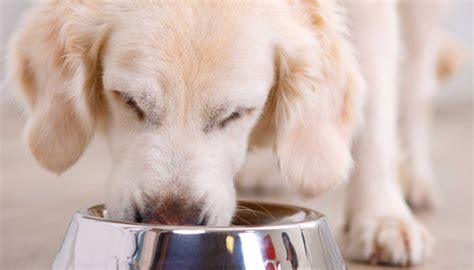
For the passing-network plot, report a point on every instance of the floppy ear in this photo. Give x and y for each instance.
(315, 103)
(55, 58)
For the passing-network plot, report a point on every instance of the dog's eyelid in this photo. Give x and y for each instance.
(241, 111)
(246, 110)
(131, 102)
(236, 114)
(224, 115)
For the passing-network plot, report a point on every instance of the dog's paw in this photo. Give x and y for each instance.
(388, 241)
(418, 191)
(418, 186)
(420, 195)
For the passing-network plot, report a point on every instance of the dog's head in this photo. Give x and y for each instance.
(179, 88)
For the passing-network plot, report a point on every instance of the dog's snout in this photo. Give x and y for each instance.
(173, 212)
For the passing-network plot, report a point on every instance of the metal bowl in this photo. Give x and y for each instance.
(264, 236)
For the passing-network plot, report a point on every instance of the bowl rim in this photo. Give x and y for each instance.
(312, 217)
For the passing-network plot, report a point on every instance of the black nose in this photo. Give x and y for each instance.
(172, 212)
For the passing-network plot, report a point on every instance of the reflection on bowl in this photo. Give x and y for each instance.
(263, 236)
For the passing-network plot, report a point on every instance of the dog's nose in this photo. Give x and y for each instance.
(173, 212)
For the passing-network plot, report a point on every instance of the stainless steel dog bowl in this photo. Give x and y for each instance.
(264, 236)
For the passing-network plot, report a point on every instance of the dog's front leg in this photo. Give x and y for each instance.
(417, 85)
(380, 227)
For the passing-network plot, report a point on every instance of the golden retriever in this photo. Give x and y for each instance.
(182, 90)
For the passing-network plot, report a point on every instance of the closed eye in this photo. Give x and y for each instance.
(232, 117)
(131, 103)
(218, 122)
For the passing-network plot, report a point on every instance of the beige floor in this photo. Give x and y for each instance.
(36, 205)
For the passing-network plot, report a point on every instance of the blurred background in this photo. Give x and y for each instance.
(35, 205)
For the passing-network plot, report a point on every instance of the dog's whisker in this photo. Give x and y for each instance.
(244, 208)
(243, 219)
(255, 212)
(250, 211)
(264, 209)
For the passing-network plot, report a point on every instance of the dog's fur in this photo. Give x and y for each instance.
(183, 89)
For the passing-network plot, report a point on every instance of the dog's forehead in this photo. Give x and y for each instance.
(199, 50)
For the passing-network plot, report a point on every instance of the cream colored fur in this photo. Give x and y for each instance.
(160, 80)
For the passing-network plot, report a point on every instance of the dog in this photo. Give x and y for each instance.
(183, 90)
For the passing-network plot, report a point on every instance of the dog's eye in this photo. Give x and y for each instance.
(218, 122)
(233, 116)
(131, 103)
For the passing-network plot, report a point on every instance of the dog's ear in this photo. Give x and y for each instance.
(55, 57)
(315, 103)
